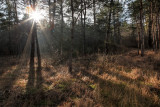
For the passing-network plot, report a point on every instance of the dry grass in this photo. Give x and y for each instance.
(126, 80)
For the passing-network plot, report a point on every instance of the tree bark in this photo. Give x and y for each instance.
(72, 35)
(138, 32)
(62, 22)
(141, 24)
(150, 26)
(114, 25)
(82, 21)
(108, 29)
(94, 12)
(15, 10)
(157, 41)
(54, 13)
(84, 29)
(34, 41)
(49, 4)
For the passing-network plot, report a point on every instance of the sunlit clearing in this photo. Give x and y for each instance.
(36, 15)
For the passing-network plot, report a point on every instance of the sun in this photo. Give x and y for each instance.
(36, 15)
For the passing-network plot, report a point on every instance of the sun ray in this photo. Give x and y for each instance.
(25, 55)
(46, 36)
(25, 21)
(17, 25)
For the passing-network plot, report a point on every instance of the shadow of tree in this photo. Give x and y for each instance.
(7, 65)
(36, 95)
(109, 88)
(6, 84)
(35, 76)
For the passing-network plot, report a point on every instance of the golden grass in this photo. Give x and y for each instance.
(124, 80)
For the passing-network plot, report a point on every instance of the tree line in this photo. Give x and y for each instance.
(81, 27)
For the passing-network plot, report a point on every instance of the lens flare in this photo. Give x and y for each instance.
(36, 15)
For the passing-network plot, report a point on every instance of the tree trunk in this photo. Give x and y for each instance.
(32, 54)
(141, 24)
(153, 35)
(94, 13)
(119, 25)
(72, 35)
(108, 29)
(34, 41)
(157, 28)
(150, 26)
(157, 42)
(9, 27)
(84, 29)
(54, 13)
(15, 12)
(49, 4)
(158, 31)
(61, 44)
(114, 25)
(82, 22)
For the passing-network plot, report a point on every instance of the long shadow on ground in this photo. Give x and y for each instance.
(113, 93)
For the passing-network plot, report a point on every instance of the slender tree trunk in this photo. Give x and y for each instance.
(157, 32)
(54, 13)
(72, 35)
(119, 25)
(61, 45)
(114, 24)
(9, 27)
(153, 35)
(49, 4)
(157, 28)
(119, 33)
(108, 29)
(138, 33)
(141, 24)
(84, 30)
(81, 13)
(138, 42)
(10, 45)
(16, 22)
(38, 49)
(150, 26)
(34, 41)
(15, 12)
(32, 54)
(94, 12)
(82, 22)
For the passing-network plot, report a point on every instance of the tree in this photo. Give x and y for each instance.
(150, 24)
(34, 38)
(108, 28)
(49, 4)
(94, 12)
(141, 24)
(62, 24)
(72, 35)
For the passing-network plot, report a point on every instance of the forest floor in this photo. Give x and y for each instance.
(125, 80)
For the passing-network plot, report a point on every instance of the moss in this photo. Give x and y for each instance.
(64, 85)
(61, 86)
(93, 86)
(73, 80)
